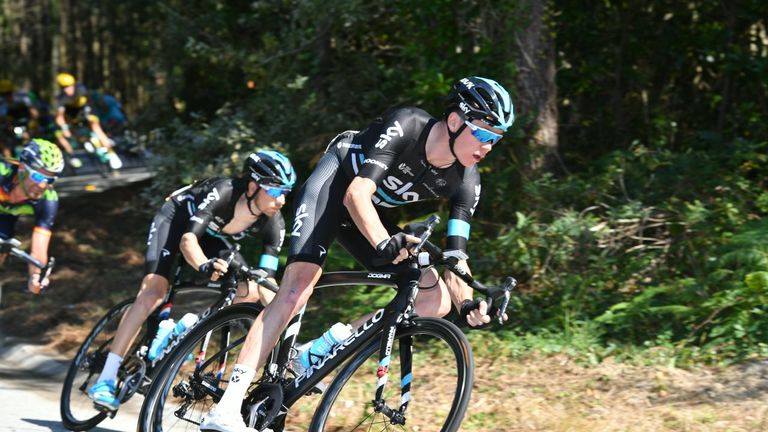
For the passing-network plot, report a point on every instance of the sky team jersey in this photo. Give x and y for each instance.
(210, 204)
(44, 209)
(392, 153)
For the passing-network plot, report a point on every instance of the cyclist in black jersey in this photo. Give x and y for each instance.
(26, 188)
(405, 156)
(197, 221)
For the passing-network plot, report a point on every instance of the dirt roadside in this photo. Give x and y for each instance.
(99, 243)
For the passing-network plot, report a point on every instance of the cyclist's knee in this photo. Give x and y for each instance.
(153, 290)
(298, 283)
(434, 302)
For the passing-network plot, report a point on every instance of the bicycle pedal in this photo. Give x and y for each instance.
(102, 409)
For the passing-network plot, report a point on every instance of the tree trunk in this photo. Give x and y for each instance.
(537, 90)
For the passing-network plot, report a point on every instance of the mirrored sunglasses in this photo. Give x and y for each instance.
(274, 191)
(39, 177)
(483, 135)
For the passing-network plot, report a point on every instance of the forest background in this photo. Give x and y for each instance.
(629, 197)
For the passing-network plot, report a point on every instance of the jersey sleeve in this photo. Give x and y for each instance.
(463, 204)
(273, 237)
(215, 200)
(386, 139)
(46, 209)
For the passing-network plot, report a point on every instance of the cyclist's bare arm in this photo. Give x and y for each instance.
(93, 121)
(193, 254)
(358, 202)
(41, 238)
(461, 292)
(62, 122)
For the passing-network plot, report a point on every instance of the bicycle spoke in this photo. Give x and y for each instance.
(437, 378)
(188, 389)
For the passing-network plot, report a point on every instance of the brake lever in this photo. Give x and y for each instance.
(506, 293)
(232, 253)
(45, 272)
(260, 277)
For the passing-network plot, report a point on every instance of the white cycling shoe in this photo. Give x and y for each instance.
(114, 161)
(225, 422)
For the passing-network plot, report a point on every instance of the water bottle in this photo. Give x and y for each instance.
(324, 344)
(164, 331)
(187, 321)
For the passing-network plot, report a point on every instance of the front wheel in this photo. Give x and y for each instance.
(197, 371)
(440, 377)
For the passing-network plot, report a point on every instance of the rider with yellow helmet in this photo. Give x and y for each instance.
(72, 108)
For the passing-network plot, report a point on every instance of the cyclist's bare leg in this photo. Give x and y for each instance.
(295, 289)
(433, 299)
(64, 144)
(153, 289)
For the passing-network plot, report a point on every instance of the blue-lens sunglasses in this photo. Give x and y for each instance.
(483, 135)
(39, 177)
(274, 191)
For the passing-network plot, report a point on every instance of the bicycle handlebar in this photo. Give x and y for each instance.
(500, 294)
(12, 246)
(255, 274)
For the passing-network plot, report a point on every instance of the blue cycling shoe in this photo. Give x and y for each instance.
(104, 395)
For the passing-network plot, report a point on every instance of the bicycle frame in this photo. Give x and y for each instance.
(383, 323)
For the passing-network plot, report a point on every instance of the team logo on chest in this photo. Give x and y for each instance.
(404, 190)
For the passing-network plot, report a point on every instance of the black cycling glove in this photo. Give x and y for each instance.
(207, 268)
(390, 249)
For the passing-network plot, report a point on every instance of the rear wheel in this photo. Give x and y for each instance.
(440, 383)
(77, 410)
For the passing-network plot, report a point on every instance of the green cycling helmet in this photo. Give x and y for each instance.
(43, 154)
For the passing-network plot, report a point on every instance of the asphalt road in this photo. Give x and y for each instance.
(30, 386)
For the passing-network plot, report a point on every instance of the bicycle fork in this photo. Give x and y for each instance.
(397, 416)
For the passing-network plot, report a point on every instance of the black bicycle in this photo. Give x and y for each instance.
(183, 392)
(137, 370)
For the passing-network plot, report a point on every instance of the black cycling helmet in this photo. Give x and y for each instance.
(270, 168)
(482, 99)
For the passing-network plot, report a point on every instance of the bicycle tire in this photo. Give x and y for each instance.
(350, 414)
(76, 409)
(160, 402)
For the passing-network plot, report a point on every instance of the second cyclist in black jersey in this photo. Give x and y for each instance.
(198, 221)
(402, 157)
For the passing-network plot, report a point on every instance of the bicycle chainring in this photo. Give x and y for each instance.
(262, 405)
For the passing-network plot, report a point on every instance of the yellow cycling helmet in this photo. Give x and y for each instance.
(6, 86)
(65, 79)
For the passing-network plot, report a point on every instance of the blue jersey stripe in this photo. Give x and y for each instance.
(457, 227)
(387, 198)
(268, 262)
